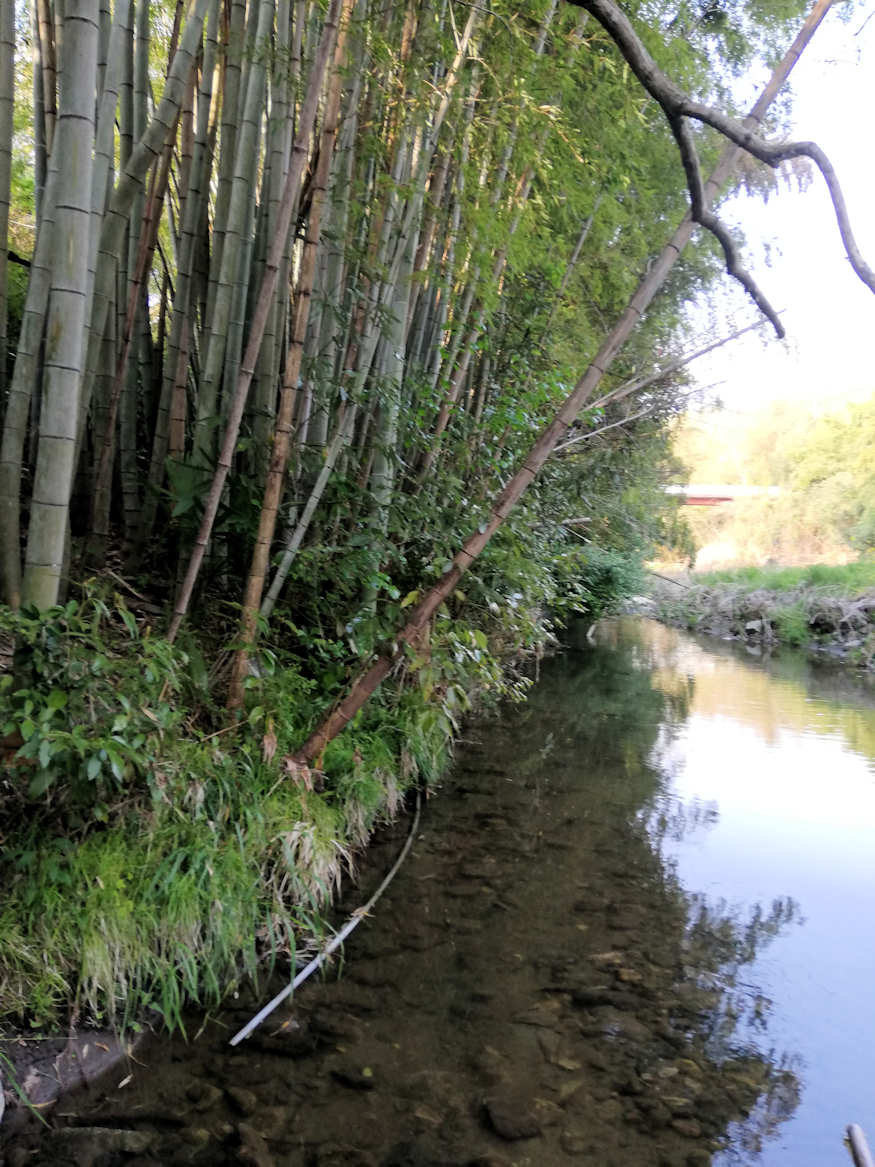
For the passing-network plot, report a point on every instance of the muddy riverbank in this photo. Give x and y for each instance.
(531, 990)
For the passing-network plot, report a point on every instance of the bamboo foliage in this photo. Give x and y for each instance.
(410, 634)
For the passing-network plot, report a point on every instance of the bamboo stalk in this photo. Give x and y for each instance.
(291, 195)
(53, 477)
(283, 428)
(7, 82)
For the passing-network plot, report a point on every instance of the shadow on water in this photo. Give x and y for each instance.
(535, 988)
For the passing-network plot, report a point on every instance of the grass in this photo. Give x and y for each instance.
(156, 851)
(846, 579)
(791, 624)
(151, 862)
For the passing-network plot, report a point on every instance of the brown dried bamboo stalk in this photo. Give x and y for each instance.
(283, 429)
(291, 195)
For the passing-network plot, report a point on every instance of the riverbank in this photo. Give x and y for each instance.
(159, 851)
(534, 988)
(827, 612)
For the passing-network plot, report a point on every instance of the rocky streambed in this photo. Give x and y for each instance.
(534, 988)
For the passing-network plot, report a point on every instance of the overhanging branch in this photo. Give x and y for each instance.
(678, 106)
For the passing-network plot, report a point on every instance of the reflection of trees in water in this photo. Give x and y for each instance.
(670, 819)
(618, 708)
(776, 1104)
(721, 941)
(720, 936)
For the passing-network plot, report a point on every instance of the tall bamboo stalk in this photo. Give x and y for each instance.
(291, 197)
(18, 405)
(225, 332)
(7, 96)
(168, 436)
(74, 142)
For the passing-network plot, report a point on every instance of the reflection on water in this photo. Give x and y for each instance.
(767, 797)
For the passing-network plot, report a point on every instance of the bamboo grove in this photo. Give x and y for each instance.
(305, 279)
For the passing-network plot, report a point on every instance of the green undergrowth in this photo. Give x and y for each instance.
(156, 850)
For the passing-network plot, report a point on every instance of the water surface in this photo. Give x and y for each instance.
(783, 755)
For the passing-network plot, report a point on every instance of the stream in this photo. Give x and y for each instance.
(635, 927)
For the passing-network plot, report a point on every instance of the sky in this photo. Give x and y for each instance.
(794, 249)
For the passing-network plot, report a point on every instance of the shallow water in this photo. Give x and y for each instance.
(783, 755)
(635, 927)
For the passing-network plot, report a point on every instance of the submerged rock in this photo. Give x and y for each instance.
(512, 1117)
(86, 1145)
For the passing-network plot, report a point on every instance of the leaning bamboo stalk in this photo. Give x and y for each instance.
(291, 195)
(371, 677)
(628, 388)
(283, 428)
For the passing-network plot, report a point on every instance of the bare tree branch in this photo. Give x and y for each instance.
(677, 105)
(706, 218)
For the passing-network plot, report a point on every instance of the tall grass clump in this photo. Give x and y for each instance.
(791, 624)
